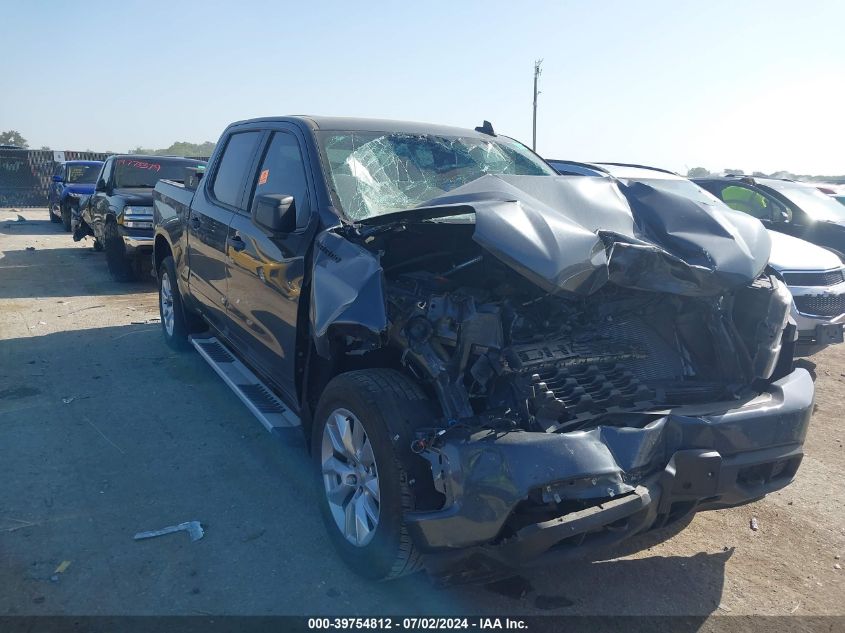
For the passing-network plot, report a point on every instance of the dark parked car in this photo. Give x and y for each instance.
(787, 206)
(119, 215)
(490, 362)
(72, 181)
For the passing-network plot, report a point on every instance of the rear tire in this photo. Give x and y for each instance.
(174, 325)
(120, 264)
(358, 405)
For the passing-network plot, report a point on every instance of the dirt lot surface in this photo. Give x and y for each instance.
(104, 432)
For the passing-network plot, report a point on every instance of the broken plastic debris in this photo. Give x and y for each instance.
(193, 528)
(30, 248)
(68, 400)
(754, 525)
(62, 567)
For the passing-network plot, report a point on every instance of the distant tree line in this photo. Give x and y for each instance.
(183, 148)
(179, 148)
(703, 172)
(13, 137)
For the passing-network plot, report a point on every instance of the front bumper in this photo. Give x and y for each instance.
(138, 241)
(816, 331)
(613, 482)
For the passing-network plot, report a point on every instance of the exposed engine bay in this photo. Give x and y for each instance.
(501, 353)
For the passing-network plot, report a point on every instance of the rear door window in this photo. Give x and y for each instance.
(228, 185)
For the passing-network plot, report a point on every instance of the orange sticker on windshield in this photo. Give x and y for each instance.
(263, 178)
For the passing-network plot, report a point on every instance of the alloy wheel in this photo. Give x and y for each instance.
(350, 477)
(166, 298)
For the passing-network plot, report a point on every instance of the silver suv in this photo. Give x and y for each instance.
(815, 275)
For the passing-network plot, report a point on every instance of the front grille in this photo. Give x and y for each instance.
(826, 278)
(821, 305)
(595, 387)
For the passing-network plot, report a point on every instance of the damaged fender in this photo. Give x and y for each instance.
(347, 294)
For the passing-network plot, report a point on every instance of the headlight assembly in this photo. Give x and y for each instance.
(136, 217)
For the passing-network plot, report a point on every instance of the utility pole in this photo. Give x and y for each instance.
(537, 72)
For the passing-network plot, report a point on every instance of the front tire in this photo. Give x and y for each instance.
(53, 218)
(173, 323)
(365, 484)
(120, 265)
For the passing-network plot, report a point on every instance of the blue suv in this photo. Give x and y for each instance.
(72, 180)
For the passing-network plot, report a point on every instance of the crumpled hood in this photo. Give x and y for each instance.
(791, 253)
(576, 233)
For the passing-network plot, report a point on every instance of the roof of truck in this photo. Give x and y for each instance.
(155, 157)
(328, 123)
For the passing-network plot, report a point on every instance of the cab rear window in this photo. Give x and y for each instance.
(137, 172)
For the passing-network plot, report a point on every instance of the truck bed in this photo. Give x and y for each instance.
(171, 200)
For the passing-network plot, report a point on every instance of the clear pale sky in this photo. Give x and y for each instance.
(749, 85)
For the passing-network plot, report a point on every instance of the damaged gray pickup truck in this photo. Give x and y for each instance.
(493, 365)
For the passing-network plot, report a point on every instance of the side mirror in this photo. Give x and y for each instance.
(276, 212)
(57, 178)
(101, 185)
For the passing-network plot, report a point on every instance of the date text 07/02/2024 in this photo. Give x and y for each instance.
(416, 623)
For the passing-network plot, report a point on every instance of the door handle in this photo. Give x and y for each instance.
(195, 222)
(236, 243)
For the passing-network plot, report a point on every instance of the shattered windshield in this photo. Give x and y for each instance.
(374, 173)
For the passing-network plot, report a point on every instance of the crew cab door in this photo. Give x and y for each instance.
(266, 269)
(212, 210)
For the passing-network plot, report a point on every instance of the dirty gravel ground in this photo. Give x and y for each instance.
(153, 438)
